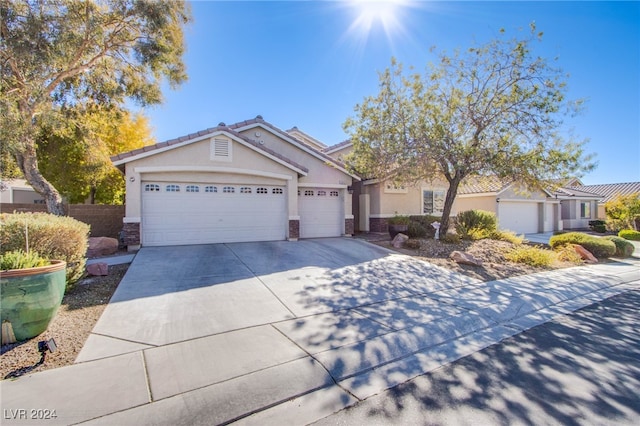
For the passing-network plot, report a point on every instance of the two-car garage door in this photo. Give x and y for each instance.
(203, 213)
(178, 213)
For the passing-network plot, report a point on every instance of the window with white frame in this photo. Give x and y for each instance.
(261, 190)
(210, 188)
(585, 210)
(245, 190)
(172, 188)
(334, 193)
(322, 193)
(192, 188)
(228, 190)
(278, 191)
(308, 193)
(433, 201)
(152, 187)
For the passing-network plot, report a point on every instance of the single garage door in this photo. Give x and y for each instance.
(320, 212)
(203, 213)
(519, 217)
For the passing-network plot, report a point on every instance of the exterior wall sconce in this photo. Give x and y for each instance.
(498, 200)
(350, 189)
(132, 179)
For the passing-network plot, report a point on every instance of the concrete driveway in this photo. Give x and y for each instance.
(289, 332)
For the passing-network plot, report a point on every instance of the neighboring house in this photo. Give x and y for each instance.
(607, 192)
(248, 181)
(577, 207)
(518, 209)
(18, 191)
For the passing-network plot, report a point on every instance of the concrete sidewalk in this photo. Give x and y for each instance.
(287, 333)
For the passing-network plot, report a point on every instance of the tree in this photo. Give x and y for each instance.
(76, 160)
(490, 110)
(623, 211)
(63, 54)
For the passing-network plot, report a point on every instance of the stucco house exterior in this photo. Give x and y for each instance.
(248, 181)
(607, 192)
(17, 191)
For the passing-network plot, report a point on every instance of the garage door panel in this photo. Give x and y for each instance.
(519, 217)
(321, 213)
(176, 218)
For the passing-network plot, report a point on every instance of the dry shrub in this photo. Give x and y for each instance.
(532, 256)
(51, 236)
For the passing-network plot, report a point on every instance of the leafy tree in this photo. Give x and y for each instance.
(623, 212)
(77, 162)
(490, 110)
(59, 55)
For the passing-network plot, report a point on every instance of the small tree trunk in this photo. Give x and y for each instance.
(92, 195)
(452, 192)
(28, 163)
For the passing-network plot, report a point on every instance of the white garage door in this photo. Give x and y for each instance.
(199, 213)
(320, 212)
(519, 217)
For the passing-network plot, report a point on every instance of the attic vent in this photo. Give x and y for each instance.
(221, 150)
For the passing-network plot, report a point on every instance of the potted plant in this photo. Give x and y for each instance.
(31, 293)
(398, 224)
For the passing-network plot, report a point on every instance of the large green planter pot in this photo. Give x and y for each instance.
(31, 297)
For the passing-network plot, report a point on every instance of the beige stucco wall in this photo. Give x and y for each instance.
(387, 204)
(480, 202)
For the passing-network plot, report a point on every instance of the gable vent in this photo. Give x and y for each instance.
(221, 149)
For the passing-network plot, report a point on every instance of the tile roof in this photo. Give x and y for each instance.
(232, 129)
(482, 184)
(610, 190)
(575, 192)
(338, 146)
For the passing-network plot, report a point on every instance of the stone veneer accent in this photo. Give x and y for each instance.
(131, 233)
(294, 229)
(378, 224)
(349, 226)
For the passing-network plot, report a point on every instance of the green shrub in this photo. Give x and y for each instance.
(476, 224)
(53, 237)
(598, 226)
(416, 230)
(508, 236)
(451, 239)
(629, 234)
(599, 247)
(623, 247)
(19, 259)
(533, 256)
(398, 220)
(424, 222)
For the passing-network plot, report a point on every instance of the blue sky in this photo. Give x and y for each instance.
(307, 64)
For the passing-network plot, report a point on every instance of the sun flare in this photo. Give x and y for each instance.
(372, 12)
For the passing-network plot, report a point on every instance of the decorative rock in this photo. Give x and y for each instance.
(399, 240)
(102, 246)
(585, 254)
(464, 258)
(98, 269)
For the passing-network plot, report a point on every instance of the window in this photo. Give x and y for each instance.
(279, 191)
(221, 150)
(308, 193)
(585, 210)
(193, 188)
(391, 188)
(322, 193)
(262, 191)
(173, 188)
(245, 190)
(152, 187)
(334, 193)
(432, 201)
(210, 188)
(228, 190)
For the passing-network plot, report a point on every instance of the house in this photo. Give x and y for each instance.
(518, 209)
(578, 207)
(607, 192)
(18, 191)
(375, 201)
(248, 181)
